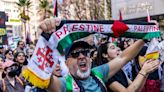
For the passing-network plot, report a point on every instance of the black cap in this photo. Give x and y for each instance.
(78, 44)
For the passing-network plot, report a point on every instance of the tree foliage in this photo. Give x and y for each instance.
(23, 6)
(44, 7)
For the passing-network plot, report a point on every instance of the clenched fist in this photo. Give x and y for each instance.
(49, 25)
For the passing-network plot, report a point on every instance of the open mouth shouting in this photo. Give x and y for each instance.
(83, 66)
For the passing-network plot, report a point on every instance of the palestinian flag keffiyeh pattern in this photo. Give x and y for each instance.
(46, 53)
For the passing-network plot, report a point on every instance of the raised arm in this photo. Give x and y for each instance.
(116, 64)
(55, 85)
(138, 83)
(148, 67)
(46, 28)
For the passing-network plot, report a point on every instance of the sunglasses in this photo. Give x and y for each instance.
(76, 53)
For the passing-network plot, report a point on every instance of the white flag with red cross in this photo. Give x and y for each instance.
(41, 64)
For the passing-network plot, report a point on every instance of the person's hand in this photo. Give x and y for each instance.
(49, 25)
(149, 66)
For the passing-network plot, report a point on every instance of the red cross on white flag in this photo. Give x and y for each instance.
(45, 58)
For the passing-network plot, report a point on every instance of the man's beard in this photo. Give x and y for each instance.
(84, 75)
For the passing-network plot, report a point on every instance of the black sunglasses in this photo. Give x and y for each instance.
(76, 53)
(12, 68)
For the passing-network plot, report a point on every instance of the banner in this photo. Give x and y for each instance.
(3, 34)
(69, 31)
(41, 64)
(46, 53)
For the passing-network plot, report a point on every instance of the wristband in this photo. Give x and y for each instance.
(143, 75)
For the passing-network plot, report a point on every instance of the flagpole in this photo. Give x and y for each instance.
(148, 16)
(120, 15)
(55, 8)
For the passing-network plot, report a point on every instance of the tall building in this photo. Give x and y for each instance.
(13, 23)
(139, 10)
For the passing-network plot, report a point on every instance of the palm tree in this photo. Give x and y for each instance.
(23, 6)
(45, 8)
(28, 5)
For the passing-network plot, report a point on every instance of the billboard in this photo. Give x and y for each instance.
(3, 34)
(132, 9)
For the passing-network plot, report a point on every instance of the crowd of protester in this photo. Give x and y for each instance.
(12, 63)
(101, 51)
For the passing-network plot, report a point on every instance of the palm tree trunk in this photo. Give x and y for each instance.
(24, 25)
(28, 31)
(25, 31)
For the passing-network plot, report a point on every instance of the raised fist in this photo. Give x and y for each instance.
(49, 25)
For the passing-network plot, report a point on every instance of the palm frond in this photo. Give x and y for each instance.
(49, 11)
(18, 4)
(29, 3)
(43, 4)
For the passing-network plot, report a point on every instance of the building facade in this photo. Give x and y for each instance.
(139, 10)
(13, 22)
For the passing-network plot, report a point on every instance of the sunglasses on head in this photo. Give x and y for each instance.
(76, 53)
(10, 53)
(12, 68)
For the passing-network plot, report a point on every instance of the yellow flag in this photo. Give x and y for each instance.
(152, 55)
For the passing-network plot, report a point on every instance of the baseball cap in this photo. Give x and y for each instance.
(8, 64)
(78, 44)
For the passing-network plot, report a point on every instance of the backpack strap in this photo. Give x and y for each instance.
(99, 82)
(3, 85)
(20, 81)
(79, 84)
